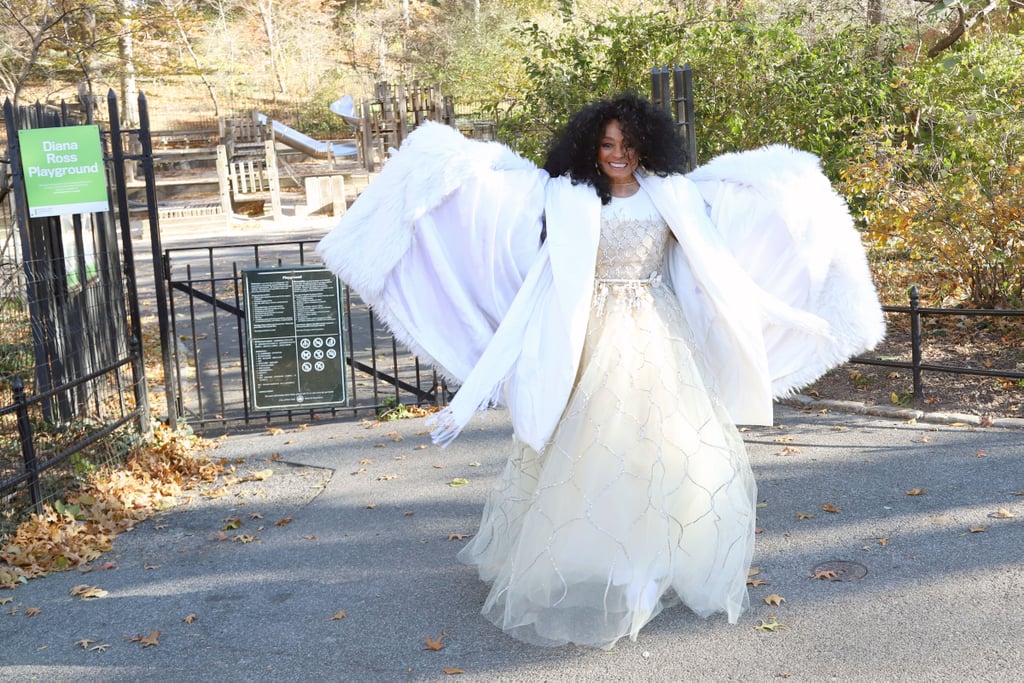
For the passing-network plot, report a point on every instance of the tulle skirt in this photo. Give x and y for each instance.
(644, 497)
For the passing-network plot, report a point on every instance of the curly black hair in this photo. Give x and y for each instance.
(649, 130)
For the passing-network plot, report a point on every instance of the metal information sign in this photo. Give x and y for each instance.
(64, 171)
(295, 344)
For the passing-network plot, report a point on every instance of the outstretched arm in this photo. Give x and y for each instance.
(439, 243)
(793, 235)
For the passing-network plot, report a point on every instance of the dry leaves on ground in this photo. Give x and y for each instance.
(77, 531)
(146, 641)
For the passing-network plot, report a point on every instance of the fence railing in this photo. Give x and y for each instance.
(209, 369)
(70, 353)
(672, 90)
(114, 409)
(917, 365)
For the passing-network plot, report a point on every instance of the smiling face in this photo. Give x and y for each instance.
(615, 158)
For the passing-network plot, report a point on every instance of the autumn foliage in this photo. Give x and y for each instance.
(924, 135)
(77, 531)
(938, 185)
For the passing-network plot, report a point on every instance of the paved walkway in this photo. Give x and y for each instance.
(363, 520)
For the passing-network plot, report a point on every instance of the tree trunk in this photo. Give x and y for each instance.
(126, 53)
(876, 12)
(266, 9)
(199, 69)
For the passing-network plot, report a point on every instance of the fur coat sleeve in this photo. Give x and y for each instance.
(776, 291)
(778, 216)
(444, 245)
(440, 242)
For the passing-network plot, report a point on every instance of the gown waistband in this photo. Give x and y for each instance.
(653, 279)
(636, 291)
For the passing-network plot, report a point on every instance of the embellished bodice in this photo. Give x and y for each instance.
(633, 239)
(630, 252)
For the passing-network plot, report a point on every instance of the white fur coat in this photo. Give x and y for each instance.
(444, 245)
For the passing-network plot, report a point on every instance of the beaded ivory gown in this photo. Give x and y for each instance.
(644, 496)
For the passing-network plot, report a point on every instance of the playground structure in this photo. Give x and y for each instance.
(259, 160)
(247, 172)
(307, 145)
(385, 120)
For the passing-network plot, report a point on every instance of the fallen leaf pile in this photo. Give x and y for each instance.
(402, 411)
(73, 533)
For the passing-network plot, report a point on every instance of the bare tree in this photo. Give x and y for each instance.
(28, 27)
(126, 56)
(266, 12)
(179, 14)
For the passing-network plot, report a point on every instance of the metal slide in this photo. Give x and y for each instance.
(314, 148)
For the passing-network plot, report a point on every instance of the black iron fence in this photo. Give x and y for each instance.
(210, 367)
(70, 357)
(96, 437)
(917, 365)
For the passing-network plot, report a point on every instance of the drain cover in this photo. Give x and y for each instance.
(845, 570)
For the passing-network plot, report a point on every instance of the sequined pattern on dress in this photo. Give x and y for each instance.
(644, 496)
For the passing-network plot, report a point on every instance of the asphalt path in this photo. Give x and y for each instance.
(342, 562)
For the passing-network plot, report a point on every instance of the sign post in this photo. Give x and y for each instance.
(294, 320)
(63, 170)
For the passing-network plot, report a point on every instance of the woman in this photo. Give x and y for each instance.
(656, 311)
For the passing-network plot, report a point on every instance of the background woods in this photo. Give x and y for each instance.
(914, 105)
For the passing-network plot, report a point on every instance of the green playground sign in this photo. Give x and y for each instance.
(64, 171)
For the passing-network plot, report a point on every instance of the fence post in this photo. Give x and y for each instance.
(915, 341)
(139, 384)
(656, 95)
(401, 112)
(273, 179)
(672, 91)
(28, 448)
(685, 112)
(661, 88)
(131, 281)
(367, 137)
(14, 121)
(224, 184)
